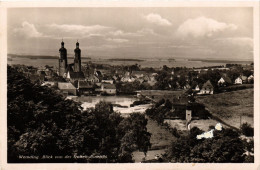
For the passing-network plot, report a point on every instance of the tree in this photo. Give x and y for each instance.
(247, 130)
(42, 122)
(224, 147)
(135, 132)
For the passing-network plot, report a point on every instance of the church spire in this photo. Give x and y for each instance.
(77, 44)
(77, 59)
(63, 63)
(62, 43)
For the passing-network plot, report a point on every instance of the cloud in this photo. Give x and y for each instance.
(117, 40)
(86, 31)
(121, 33)
(28, 30)
(157, 19)
(202, 27)
(139, 33)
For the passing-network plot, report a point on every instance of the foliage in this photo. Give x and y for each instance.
(175, 133)
(42, 122)
(225, 146)
(247, 130)
(131, 87)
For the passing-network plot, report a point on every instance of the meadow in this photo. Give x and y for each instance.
(233, 108)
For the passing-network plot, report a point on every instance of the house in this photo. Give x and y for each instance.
(67, 88)
(108, 89)
(85, 87)
(238, 81)
(224, 81)
(93, 79)
(250, 79)
(197, 88)
(127, 79)
(207, 88)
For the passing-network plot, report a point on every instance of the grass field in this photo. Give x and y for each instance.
(231, 107)
(160, 140)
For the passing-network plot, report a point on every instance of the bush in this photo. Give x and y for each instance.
(175, 133)
(247, 130)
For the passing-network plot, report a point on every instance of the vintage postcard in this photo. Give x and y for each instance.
(120, 85)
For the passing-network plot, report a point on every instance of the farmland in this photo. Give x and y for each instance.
(232, 108)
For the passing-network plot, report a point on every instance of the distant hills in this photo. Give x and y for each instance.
(37, 56)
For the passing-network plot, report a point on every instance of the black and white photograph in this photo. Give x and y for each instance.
(133, 84)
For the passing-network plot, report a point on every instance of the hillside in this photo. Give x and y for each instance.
(229, 106)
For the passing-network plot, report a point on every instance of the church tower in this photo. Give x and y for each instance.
(63, 63)
(77, 59)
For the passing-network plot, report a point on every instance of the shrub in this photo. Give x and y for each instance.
(175, 133)
(247, 130)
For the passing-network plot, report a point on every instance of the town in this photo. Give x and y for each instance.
(179, 90)
(99, 79)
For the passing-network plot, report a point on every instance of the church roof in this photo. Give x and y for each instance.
(76, 75)
(84, 84)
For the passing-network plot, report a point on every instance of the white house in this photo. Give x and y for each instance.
(238, 81)
(250, 78)
(207, 88)
(197, 88)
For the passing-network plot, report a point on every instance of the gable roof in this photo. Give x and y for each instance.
(65, 85)
(239, 78)
(207, 84)
(227, 79)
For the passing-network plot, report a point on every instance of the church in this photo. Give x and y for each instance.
(70, 71)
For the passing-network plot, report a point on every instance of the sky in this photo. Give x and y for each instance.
(128, 32)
